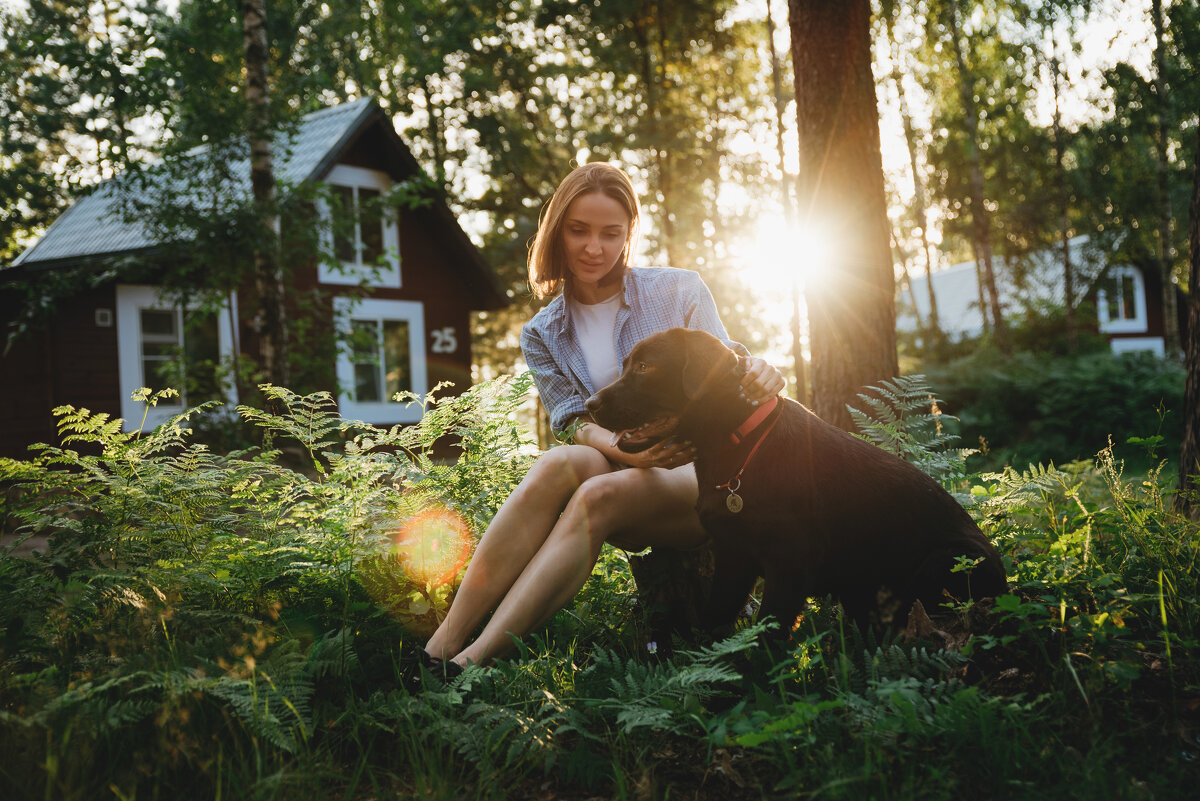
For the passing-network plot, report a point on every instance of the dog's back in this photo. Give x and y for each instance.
(845, 517)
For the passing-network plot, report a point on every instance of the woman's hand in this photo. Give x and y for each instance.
(668, 454)
(761, 381)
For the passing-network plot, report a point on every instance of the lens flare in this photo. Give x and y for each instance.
(434, 545)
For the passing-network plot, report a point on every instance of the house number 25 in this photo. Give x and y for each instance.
(444, 340)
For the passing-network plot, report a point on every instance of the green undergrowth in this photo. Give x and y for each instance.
(203, 625)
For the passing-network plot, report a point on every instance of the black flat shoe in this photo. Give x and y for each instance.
(409, 667)
(440, 669)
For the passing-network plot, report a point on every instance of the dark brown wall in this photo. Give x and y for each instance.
(1155, 327)
(69, 361)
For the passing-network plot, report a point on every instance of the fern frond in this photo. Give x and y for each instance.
(312, 420)
(904, 418)
(1013, 489)
(82, 425)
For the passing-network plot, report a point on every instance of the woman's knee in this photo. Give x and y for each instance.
(603, 501)
(634, 510)
(559, 472)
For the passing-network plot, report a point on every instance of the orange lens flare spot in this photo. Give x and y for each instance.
(433, 546)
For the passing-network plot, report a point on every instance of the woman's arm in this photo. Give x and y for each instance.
(559, 394)
(565, 404)
(667, 454)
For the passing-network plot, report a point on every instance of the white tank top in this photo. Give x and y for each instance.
(595, 325)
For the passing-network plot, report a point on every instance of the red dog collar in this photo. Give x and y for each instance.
(754, 421)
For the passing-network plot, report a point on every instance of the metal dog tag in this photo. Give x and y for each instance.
(734, 502)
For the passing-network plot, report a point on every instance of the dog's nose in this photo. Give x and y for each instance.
(592, 403)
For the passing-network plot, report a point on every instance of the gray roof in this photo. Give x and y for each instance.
(93, 226)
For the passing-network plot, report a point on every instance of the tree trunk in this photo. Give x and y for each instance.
(799, 368)
(1189, 458)
(981, 229)
(979, 285)
(434, 130)
(1064, 218)
(1166, 217)
(267, 275)
(933, 330)
(644, 23)
(852, 308)
(901, 258)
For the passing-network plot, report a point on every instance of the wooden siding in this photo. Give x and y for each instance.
(70, 361)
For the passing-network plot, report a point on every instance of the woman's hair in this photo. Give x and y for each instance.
(547, 261)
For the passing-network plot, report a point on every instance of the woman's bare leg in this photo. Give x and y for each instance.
(515, 534)
(635, 508)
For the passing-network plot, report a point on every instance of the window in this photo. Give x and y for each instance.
(1121, 301)
(361, 232)
(383, 354)
(160, 345)
(382, 366)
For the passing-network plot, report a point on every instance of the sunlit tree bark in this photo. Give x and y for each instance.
(852, 313)
(788, 198)
(268, 280)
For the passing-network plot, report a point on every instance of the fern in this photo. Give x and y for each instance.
(655, 695)
(275, 712)
(1010, 489)
(311, 420)
(905, 420)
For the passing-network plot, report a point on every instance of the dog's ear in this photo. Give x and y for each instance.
(706, 359)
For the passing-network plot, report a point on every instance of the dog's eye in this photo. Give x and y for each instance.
(641, 367)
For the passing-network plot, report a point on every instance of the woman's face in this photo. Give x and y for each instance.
(594, 232)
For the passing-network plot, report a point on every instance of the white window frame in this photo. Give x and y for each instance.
(386, 411)
(131, 300)
(355, 273)
(1133, 344)
(1123, 325)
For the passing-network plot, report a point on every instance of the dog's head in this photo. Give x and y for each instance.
(662, 380)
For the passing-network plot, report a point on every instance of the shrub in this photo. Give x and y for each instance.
(1036, 408)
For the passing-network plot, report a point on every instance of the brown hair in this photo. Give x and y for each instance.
(547, 262)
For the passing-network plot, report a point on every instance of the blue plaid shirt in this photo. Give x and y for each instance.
(654, 299)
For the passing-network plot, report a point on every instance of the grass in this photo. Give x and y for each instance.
(229, 626)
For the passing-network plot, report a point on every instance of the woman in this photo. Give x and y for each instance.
(542, 544)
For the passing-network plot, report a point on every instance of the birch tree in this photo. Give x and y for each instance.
(268, 279)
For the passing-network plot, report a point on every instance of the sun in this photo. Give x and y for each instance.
(783, 254)
(780, 263)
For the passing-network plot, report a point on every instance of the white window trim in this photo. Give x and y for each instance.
(131, 299)
(350, 273)
(410, 311)
(1132, 325)
(1133, 344)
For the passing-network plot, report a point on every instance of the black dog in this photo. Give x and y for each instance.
(790, 498)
